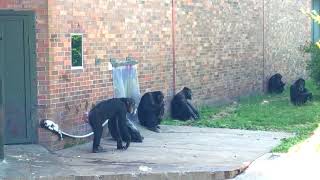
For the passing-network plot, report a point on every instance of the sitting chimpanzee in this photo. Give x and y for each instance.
(115, 110)
(181, 109)
(135, 134)
(298, 93)
(133, 130)
(275, 84)
(151, 110)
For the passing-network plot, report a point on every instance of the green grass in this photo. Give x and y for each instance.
(276, 115)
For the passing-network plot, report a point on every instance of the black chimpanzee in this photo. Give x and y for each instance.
(115, 110)
(133, 130)
(275, 84)
(298, 93)
(181, 109)
(151, 110)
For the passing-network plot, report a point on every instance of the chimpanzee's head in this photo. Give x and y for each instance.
(130, 104)
(278, 76)
(159, 96)
(279, 82)
(300, 84)
(187, 93)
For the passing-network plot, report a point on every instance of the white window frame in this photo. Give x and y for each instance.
(82, 59)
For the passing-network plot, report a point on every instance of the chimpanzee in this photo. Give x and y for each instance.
(275, 84)
(151, 110)
(115, 110)
(298, 93)
(133, 130)
(181, 109)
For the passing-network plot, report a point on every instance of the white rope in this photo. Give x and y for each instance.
(50, 125)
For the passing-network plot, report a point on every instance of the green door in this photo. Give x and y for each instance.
(15, 72)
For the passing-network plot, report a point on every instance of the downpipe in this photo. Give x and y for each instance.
(173, 29)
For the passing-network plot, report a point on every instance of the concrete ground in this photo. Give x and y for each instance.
(175, 153)
(301, 162)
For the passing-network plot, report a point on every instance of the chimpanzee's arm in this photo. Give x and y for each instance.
(190, 110)
(193, 110)
(119, 138)
(122, 127)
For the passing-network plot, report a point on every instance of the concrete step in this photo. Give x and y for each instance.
(175, 153)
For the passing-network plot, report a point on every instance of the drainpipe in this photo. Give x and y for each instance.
(1, 124)
(263, 49)
(173, 28)
(1, 112)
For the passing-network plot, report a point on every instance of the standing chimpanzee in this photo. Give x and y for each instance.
(275, 84)
(298, 93)
(181, 109)
(115, 110)
(133, 130)
(151, 110)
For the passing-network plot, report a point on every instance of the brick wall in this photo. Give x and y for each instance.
(221, 48)
(286, 29)
(114, 29)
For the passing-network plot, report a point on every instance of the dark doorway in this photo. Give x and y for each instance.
(17, 66)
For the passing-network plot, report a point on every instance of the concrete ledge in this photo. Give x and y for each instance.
(175, 153)
(220, 175)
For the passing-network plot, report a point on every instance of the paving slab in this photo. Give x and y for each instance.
(178, 152)
(301, 162)
(27, 161)
(283, 166)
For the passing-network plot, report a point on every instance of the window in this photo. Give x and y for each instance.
(77, 53)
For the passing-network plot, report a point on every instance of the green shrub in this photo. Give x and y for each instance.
(314, 63)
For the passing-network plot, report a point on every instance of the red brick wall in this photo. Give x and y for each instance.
(111, 29)
(221, 49)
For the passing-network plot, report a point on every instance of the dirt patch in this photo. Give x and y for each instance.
(229, 110)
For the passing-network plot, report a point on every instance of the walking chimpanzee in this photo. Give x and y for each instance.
(115, 110)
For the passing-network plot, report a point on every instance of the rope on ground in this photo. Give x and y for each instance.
(54, 127)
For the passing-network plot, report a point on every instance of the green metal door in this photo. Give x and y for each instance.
(15, 68)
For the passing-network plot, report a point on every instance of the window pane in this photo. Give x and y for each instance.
(76, 45)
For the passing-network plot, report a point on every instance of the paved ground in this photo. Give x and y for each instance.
(283, 166)
(175, 153)
(302, 162)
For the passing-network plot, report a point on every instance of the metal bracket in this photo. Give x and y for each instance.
(128, 61)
